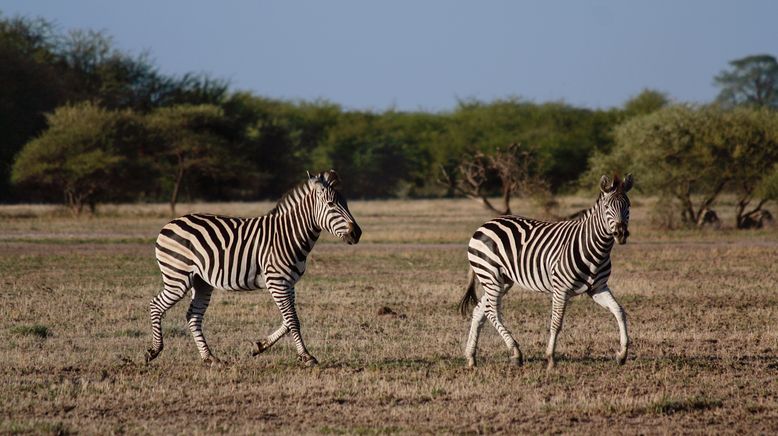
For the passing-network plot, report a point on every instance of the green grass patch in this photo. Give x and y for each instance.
(40, 331)
(669, 406)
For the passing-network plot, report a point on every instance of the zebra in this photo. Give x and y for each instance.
(562, 259)
(200, 252)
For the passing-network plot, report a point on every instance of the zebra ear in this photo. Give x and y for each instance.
(308, 173)
(605, 184)
(332, 178)
(628, 183)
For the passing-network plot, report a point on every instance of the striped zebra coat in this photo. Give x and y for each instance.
(562, 259)
(201, 252)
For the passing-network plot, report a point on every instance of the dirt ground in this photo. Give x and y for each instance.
(381, 318)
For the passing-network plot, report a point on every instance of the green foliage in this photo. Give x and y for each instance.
(32, 84)
(768, 185)
(81, 155)
(750, 81)
(277, 138)
(646, 102)
(378, 152)
(43, 69)
(684, 151)
(191, 139)
(563, 136)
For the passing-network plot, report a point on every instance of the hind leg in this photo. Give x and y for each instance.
(475, 330)
(201, 297)
(493, 309)
(170, 295)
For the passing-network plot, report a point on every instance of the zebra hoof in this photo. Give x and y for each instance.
(308, 360)
(621, 359)
(471, 362)
(517, 360)
(261, 347)
(551, 364)
(151, 354)
(212, 362)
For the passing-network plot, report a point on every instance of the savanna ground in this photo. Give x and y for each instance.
(381, 318)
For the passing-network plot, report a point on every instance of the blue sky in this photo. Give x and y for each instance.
(426, 54)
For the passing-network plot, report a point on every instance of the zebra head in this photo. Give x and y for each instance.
(616, 205)
(331, 210)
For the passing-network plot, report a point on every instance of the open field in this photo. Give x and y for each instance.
(702, 308)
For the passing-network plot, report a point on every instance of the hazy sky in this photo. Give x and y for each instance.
(424, 54)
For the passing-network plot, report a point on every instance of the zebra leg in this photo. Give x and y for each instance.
(475, 330)
(169, 296)
(264, 344)
(493, 311)
(558, 306)
(284, 299)
(605, 299)
(201, 297)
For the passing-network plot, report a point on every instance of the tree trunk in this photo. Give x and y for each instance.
(743, 219)
(506, 198)
(74, 203)
(176, 189)
(177, 184)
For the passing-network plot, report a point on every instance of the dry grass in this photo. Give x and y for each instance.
(73, 326)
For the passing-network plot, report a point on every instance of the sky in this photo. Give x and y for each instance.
(429, 54)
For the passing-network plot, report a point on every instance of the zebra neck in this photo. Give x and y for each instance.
(296, 226)
(599, 233)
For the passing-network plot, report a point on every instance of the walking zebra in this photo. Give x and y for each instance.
(203, 252)
(562, 259)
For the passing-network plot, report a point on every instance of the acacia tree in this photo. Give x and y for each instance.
(753, 138)
(188, 139)
(515, 168)
(751, 81)
(692, 154)
(83, 154)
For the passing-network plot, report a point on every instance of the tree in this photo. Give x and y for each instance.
(33, 84)
(671, 155)
(753, 138)
(515, 168)
(646, 102)
(188, 140)
(82, 154)
(750, 81)
(692, 154)
(367, 146)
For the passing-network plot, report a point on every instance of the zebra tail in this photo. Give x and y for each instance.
(469, 300)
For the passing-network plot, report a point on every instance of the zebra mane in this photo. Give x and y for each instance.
(291, 198)
(583, 214)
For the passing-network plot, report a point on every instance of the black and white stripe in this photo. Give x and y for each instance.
(201, 252)
(562, 259)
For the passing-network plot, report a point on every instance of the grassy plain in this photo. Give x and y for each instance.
(702, 308)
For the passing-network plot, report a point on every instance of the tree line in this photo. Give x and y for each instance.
(82, 122)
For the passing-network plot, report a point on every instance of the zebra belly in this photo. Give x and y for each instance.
(248, 281)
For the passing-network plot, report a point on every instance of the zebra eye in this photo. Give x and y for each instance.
(331, 203)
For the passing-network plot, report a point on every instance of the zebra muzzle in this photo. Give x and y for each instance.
(621, 233)
(354, 233)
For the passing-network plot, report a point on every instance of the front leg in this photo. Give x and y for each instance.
(605, 298)
(284, 299)
(558, 306)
